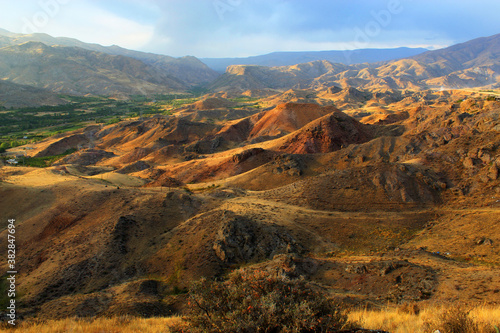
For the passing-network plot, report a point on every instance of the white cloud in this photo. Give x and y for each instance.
(95, 25)
(246, 27)
(82, 20)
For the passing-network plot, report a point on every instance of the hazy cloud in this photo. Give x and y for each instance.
(218, 28)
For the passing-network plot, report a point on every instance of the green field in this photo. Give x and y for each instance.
(28, 125)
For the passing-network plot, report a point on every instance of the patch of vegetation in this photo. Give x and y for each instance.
(23, 126)
(257, 302)
(457, 320)
(198, 91)
(113, 121)
(187, 189)
(42, 162)
(243, 99)
(176, 290)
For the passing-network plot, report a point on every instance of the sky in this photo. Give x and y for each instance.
(240, 28)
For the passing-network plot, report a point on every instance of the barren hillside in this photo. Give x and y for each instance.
(394, 200)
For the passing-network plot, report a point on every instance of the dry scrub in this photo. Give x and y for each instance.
(452, 319)
(405, 319)
(108, 325)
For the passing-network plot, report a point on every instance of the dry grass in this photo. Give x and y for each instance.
(99, 325)
(402, 320)
(395, 320)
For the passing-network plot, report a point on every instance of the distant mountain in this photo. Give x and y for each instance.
(472, 64)
(73, 70)
(483, 51)
(65, 65)
(246, 77)
(189, 70)
(347, 57)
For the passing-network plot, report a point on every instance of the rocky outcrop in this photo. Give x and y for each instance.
(245, 155)
(327, 134)
(241, 240)
(288, 164)
(121, 233)
(409, 184)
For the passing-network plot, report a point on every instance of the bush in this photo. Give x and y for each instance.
(256, 302)
(457, 320)
(409, 308)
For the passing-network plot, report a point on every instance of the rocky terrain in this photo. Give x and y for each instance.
(467, 65)
(395, 205)
(378, 196)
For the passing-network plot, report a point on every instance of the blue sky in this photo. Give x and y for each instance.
(233, 28)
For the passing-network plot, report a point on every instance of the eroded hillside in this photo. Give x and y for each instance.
(376, 196)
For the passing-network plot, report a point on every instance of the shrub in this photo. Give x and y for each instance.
(409, 308)
(256, 302)
(457, 320)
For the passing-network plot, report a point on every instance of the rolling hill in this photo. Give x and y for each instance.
(18, 96)
(152, 204)
(374, 188)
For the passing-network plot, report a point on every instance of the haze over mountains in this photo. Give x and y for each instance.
(347, 57)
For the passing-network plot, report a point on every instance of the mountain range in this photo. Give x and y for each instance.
(347, 57)
(471, 64)
(147, 72)
(68, 66)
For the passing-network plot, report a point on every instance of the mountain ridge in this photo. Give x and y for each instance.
(472, 64)
(190, 70)
(72, 70)
(346, 57)
(118, 71)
